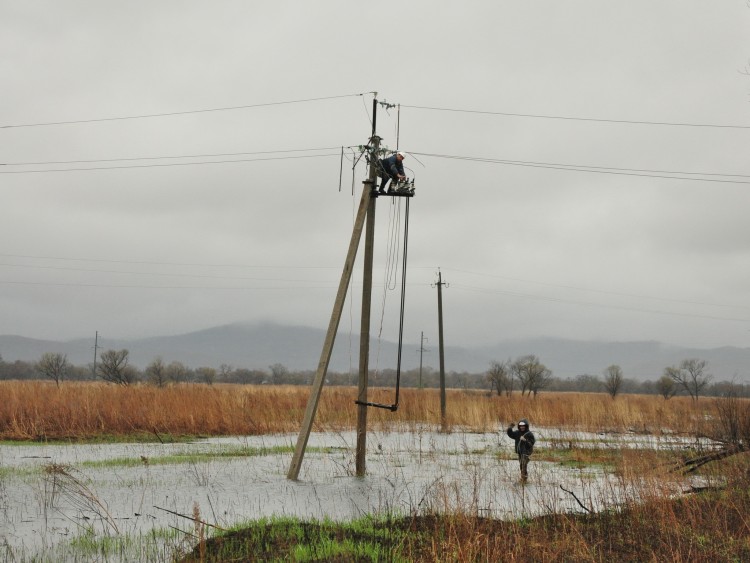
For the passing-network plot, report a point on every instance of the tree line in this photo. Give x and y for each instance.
(526, 375)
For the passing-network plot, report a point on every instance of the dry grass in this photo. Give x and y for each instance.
(39, 410)
(653, 525)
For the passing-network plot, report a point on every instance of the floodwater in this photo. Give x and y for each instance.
(44, 516)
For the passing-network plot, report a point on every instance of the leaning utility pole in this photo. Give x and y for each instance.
(440, 284)
(333, 325)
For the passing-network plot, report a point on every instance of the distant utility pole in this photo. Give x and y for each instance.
(96, 347)
(422, 349)
(439, 284)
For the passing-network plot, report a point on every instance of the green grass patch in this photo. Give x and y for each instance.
(18, 472)
(289, 539)
(700, 527)
(134, 438)
(197, 457)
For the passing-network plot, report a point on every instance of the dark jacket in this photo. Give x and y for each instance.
(392, 166)
(525, 445)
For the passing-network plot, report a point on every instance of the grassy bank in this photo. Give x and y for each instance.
(710, 526)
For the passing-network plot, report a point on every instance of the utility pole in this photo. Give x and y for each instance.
(440, 283)
(422, 349)
(96, 346)
(366, 211)
(364, 334)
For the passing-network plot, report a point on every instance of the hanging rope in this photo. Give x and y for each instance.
(403, 300)
(390, 273)
(394, 407)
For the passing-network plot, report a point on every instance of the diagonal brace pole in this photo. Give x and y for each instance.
(325, 356)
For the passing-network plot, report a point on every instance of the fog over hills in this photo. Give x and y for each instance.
(298, 348)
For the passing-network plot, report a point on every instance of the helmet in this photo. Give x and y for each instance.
(401, 154)
(523, 422)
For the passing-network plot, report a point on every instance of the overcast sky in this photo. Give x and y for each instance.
(147, 233)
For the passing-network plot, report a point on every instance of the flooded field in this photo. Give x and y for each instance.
(136, 501)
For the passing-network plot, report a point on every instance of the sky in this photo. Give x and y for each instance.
(581, 168)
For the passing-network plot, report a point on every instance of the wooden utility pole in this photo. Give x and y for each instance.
(96, 347)
(366, 210)
(440, 284)
(421, 351)
(364, 335)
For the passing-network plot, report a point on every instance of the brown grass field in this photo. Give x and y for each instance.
(39, 410)
(655, 525)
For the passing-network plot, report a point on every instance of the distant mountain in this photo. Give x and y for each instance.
(298, 348)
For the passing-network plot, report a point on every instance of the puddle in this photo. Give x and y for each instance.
(42, 518)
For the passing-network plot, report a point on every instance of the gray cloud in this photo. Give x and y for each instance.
(528, 250)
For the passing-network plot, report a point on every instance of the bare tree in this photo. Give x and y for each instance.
(531, 373)
(177, 372)
(225, 372)
(113, 367)
(500, 378)
(53, 366)
(666, 386)
(691, 376)
(156, 372)
(279, 373)
(613, 380)
(208, 375)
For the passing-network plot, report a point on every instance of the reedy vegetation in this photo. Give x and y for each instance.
(40, 410)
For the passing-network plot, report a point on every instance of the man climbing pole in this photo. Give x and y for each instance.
(524, 444)
(391, 168)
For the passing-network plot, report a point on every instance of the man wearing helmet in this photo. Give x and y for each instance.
(524, 444)
(391, 168)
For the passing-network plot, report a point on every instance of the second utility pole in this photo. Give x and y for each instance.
(440, 284)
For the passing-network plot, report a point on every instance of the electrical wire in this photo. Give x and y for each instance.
(158, 274)
(145, 262)
(601, 291)
(689, 176)
(263, 267)
(168, 164)
(569, 118)
(140, 286)
(166, 157)
(591, 304)
(174, 113)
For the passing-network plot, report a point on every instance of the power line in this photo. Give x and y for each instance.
(145, 262)
(174, 113)
(600, 305)
(269, 267)
(165, 157)
(602, 291)
(648, 173)
(714, 177)
(134, 286)
(166, 165)
(162, 274)
(569, 118)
